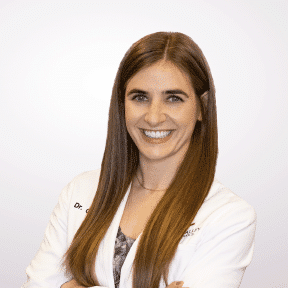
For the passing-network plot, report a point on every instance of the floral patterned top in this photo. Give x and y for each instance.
(123, 244)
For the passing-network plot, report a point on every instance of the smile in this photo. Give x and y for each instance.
(156, 137)
(156, 134)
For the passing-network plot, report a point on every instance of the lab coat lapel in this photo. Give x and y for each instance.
(104, 259)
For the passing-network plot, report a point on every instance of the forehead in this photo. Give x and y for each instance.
(161, 75)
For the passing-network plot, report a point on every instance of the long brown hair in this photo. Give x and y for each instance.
(188, 189)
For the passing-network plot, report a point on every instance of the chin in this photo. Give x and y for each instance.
(155, 156)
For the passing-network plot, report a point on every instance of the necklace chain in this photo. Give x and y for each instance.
(147, 188)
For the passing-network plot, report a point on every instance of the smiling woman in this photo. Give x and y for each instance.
(159, 84)
(156, 181)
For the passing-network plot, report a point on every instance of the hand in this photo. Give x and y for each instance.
(174, 285)
(72, 284)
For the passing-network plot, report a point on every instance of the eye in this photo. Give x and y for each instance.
(136, 96)
(176, 97)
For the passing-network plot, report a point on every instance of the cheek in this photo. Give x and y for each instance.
(130, 114)
(188, 116)
(188, 120)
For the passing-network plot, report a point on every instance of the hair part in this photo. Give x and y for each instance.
(186, 193)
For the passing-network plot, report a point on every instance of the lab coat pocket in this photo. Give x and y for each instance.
(186, 247)
(181, 260)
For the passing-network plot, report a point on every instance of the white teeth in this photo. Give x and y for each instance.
(157, 134)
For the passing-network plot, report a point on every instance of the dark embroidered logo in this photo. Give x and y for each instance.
(190, 232)
(78, 206)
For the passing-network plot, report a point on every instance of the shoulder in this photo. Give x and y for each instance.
(223, 208)
(87, 178)
(222, 197)
(84, 185)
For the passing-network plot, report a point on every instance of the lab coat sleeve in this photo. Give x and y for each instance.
(225, 250)
(44, 269)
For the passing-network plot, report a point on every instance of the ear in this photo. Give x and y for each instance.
(204, 100)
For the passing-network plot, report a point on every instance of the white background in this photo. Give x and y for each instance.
(58, 61)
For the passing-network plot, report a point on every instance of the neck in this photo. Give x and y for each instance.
(158, 174)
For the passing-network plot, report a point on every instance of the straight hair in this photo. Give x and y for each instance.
(188, 189)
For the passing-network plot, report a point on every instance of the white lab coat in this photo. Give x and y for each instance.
(213, 253)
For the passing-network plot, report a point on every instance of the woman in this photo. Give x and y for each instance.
(157, 205)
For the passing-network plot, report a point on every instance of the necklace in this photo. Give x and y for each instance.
(147, 188)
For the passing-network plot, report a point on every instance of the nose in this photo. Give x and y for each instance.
(156, 113)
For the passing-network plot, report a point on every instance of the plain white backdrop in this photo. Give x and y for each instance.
(58, 61)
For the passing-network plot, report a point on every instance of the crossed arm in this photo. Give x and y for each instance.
(73, 284)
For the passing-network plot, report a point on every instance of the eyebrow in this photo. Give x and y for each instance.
(167, 92)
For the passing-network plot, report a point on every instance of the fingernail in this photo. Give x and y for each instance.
(178, 283)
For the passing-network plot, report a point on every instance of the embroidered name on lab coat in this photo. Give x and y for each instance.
(190, 232)
(79, 206)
